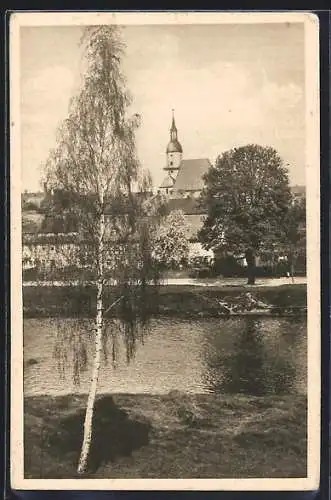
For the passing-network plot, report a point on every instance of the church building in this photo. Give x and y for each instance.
(182, 186)
(183, 177)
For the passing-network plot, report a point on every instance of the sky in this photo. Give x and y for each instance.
(229, 84)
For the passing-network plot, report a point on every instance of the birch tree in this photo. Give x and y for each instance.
(95, 167)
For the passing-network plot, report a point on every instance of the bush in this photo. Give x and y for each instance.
(201, 272)
(202, 267)
(30, 206)
(229, 267)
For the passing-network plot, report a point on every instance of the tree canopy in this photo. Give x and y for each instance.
(247, 198)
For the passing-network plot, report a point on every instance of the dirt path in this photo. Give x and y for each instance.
(208, 282)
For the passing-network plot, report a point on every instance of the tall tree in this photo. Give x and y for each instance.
(247, 198)
(95, 168)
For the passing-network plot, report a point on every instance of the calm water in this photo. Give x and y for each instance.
(240, 355)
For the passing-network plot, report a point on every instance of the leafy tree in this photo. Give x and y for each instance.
(171, 245)
(247, 198)
(295, 233)
(95, 171)
(30, 206)
(59, 216)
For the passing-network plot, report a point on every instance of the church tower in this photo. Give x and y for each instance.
(174, 150)
(174, 158)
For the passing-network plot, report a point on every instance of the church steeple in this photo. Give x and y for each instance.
(174, 159)
(173, 130)
(174, 145)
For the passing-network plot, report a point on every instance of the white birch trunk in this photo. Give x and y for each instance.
(88, 423)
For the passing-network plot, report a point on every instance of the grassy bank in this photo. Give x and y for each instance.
(180, 301)
(169, 436)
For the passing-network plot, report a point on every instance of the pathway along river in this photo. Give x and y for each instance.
(253, 356)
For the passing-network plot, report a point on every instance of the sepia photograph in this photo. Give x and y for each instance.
(165, 259)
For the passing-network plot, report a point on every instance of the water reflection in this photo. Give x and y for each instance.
(240, 355)
(250, 367)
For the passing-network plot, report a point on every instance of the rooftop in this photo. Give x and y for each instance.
(174, 146)
(190, 174)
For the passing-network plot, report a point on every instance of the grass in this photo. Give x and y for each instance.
(181, 301)
(168, 436)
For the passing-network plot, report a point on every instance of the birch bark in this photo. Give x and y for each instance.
(83, 460)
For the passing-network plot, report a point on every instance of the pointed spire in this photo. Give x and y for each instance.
(173, 130)
(174, 146)
(173, 125)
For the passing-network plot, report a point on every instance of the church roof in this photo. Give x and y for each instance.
(174, 146)
(190, 174)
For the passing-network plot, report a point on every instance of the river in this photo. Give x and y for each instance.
(235, 356)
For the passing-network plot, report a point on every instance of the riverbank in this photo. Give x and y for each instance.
(168, 436)
(184, 301)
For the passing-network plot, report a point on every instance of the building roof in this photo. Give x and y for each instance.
(174, 146)
(190, 174)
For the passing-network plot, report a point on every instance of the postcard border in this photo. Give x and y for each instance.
(313, 275)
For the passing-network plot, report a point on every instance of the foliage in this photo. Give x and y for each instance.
(59, 216)
(171, 245)
(30, 206)
(30, 225)
(295, 233)
(247, 197)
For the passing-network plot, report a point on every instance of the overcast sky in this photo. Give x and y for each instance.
(229, 85)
